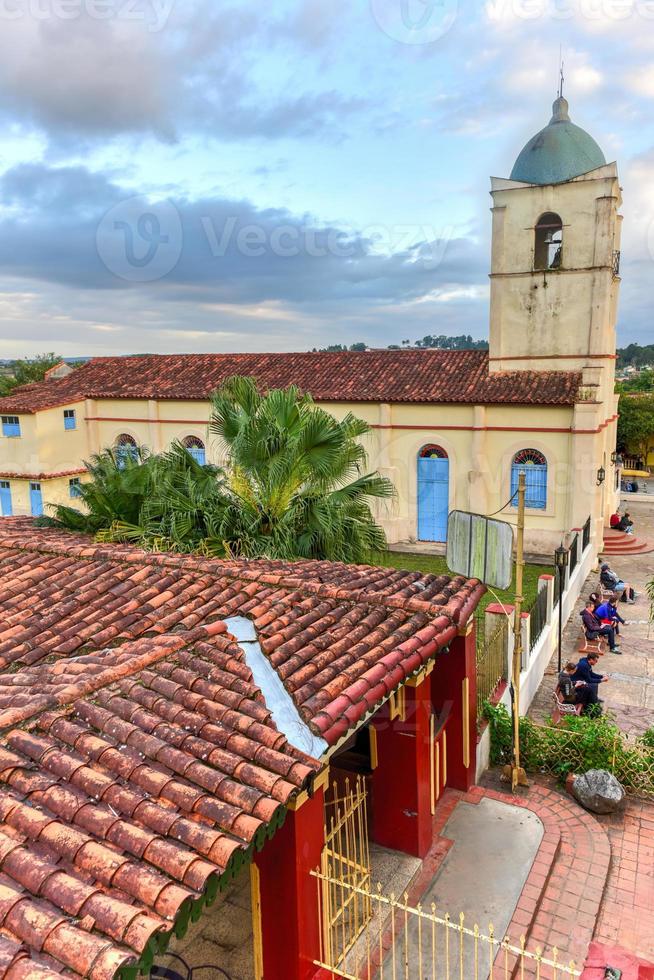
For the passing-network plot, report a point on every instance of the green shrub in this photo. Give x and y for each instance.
(577, 744)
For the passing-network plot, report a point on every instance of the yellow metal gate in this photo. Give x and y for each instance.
(344, 872)
(400, 941)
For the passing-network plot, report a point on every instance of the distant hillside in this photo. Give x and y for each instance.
(635, 355)
(462, 342)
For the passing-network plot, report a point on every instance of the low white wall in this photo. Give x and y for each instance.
(532, 676)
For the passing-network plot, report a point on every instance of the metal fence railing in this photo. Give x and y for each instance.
(492, 662)
(558, 751)
(403, 940)
(538, 618)
(574, 554)
(585, 536)
(345, 857)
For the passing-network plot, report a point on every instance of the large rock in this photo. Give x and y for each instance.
(598, 791)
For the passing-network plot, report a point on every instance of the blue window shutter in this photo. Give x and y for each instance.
(433, 498)
(536, 485)
(6, 508)
(70, 421)
(11, 426)
(36, 499)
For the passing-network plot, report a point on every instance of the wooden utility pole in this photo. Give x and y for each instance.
(515, 770)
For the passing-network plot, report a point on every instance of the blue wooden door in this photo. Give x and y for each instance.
(5, 499)
(36, 500)
(433, 498)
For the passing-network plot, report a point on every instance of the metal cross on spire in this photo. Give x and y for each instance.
(561, 75)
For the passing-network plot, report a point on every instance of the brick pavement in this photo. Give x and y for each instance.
(601, 881)
(627, 912)
(629, 695)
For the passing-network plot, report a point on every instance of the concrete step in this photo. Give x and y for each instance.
(619, 543)
(637, 548)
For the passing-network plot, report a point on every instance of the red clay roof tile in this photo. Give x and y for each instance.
(146, 763)
(372, 376)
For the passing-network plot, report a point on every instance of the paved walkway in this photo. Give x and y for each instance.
(627, 913)
(593, 878)
(629, 695)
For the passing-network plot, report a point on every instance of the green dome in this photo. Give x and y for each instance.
(558, 153)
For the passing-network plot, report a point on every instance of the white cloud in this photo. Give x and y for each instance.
(641, 81)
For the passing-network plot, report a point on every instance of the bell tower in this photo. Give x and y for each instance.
(555, 265)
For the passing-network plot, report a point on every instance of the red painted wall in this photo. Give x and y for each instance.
(401, 796)
(289, 895)
(446, 691)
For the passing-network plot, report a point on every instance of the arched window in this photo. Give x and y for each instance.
(125, 448)
(195, 448)
(534, 465)
(433, 452)
(548, 248)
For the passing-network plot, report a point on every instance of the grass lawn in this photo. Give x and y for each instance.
(436, 565)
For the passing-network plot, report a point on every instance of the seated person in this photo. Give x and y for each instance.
(614, 583)
(615, 519)
(593, 628)
(596, 599)
(577, 692)
(608, 614)
(586, 671)
(626, 524)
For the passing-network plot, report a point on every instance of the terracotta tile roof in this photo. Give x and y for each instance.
(387, 376)
(139, 762)
(42, 476)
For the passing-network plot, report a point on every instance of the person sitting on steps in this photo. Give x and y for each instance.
(593, 628)
(578, 692)
(626, 524)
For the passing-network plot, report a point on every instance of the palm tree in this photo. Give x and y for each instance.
(116, 492)
(293, 485)
(295, 476)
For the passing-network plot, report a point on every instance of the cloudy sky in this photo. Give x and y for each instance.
(221, 175)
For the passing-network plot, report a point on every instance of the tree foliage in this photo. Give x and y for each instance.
(643, 381)
(636, 355)
(293, 485)
(22, 372)
(636, 423)
(461, 342)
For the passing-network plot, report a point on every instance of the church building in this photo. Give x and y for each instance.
(452, 429)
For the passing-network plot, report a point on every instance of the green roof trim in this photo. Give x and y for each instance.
(191, 911)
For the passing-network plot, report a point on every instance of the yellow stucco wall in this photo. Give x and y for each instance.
(480, 442)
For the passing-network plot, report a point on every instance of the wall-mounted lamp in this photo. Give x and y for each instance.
(601, 476)
(616, 459)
